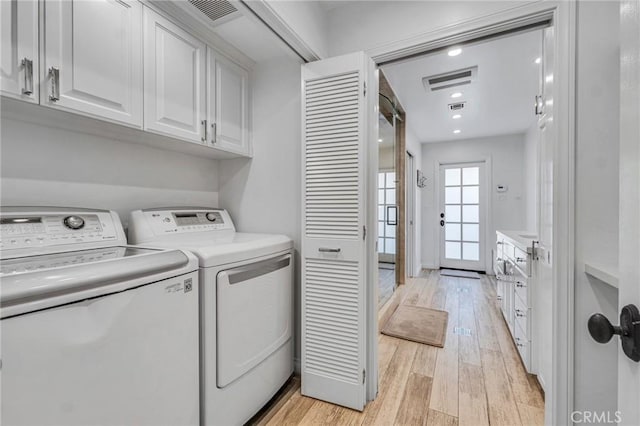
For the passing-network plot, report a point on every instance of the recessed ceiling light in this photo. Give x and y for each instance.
(379, 140)
(455, 132)
(454, 51)
(455, 117)
(456, 95)
(538, 60)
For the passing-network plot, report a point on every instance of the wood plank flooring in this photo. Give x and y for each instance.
(476, 379)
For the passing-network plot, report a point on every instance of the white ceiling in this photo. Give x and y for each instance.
(500, 100)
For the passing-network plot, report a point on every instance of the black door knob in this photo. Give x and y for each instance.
(602, 330)
(442, 215)
(442, 223)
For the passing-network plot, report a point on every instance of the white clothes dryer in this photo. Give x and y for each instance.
(246, 305)
(94, 332)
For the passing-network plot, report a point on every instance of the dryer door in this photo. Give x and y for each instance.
(254, 315)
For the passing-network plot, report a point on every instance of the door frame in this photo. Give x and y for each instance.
(486, 209)
(562, 15)
(410, 206)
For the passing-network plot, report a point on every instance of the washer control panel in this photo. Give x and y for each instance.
(185, 221)
(20, 230)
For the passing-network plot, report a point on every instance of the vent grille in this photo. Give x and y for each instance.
(332, 159)
(214, 9)
(457, 106)
(450, 79)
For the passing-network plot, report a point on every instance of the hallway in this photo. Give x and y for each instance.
(476, 379)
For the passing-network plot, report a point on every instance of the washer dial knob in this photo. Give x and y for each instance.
(211, 217)
(73, 222)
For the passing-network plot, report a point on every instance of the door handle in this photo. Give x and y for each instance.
(204, 131)
(54, 74)
(395, 220)
(329, 250)
(28, 76)
(213, 133)
(442, 223)
(602, 330)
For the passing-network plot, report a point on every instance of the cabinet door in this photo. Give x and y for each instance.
(228, 105)
(19, 50)
(174, 84)
(96, 48)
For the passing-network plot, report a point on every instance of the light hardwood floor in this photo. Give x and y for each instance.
(476, 379)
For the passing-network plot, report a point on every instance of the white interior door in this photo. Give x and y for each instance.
(462, 216)
(629, 237)
(339, 107)
(544, 259)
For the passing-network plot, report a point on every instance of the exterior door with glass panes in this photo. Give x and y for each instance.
(387, 216)
(461, 218)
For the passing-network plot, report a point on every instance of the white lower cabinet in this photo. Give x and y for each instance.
(174, 80)
(514, 295)
(228, 105)
(92, 58)
(19, 50)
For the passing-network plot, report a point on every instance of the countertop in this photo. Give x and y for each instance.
(520, 239)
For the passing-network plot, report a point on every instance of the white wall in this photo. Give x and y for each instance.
(44, 166)
(531, 147)
(363, 25)
(307, 19)
(596, 225)
(507, 157)
(264, 194)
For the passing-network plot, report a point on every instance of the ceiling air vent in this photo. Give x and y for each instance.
(214, 9)
(450, 79)
(457, 106)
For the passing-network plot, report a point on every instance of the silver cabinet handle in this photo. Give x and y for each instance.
(28, 76)
(329, 250)
(54, 74)
(204, 130)
(213, 133)
(520, 313)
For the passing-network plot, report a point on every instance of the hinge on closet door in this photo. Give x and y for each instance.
(364, 233)
(364, 92)
(364, 375)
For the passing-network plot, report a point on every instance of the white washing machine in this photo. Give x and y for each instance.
(94, 332)
(246, 292)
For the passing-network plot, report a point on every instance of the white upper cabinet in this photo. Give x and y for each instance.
(92, 58)
(19, 50)
(228, 105)
(174, 84)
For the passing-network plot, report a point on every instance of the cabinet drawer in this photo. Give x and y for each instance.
(508, 250)
(522, 289)
(522, 315)
(524, 347)
(521, 260)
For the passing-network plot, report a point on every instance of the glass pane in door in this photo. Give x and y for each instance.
(462, 213)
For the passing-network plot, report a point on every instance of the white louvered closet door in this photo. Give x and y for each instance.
(335, 116)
